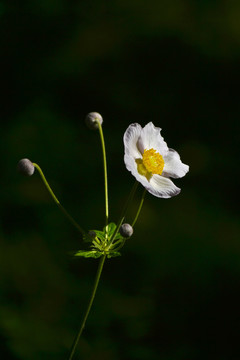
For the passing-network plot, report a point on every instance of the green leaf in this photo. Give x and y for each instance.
(113, 254)
(110, 228)
(100, 234)
(118, 236)
(89, 254)
(110, 231)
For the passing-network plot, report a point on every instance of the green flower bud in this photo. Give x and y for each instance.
(91, 120)
(25, 167)
(126, 230)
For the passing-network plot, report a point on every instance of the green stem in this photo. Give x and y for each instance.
(122, 243)
(105, 169)
(98, 275)
(123, 214)
(56, 199)
(139, 208)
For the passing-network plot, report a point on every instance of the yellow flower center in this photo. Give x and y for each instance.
(153, 161)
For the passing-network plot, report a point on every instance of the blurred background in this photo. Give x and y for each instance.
(174, 292)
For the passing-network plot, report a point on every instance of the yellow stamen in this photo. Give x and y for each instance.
(142, 170)
(153, 161)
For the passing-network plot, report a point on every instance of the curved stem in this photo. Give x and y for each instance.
(139, 208)
(105, 169)
(56, 199)
(98, 275)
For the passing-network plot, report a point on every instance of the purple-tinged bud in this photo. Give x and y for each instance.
(92, 234)
(25, 167)
(126, 230)
(92, 119)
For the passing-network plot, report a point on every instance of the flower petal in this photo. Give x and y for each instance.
(162, 187)
(132, 167)
(152, 139)
(158, 185)
(173, 166)
(130, 140)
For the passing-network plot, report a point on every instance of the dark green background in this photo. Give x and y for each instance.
(174, 293)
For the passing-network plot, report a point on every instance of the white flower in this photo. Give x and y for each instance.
(151, 162)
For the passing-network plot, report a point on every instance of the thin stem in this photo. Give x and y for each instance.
(98, 275)
(56, 199)
(122, 243)
(139, 208)
(105, 169)
(123, 214)
(134, 222)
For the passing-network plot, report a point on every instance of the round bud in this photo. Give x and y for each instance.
(25, 167)
(92, 119)
(92, 234)
(126, 230)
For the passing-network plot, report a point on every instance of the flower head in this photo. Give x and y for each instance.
(126, 230)
(92, 120)
(151, 162)
(25, 167)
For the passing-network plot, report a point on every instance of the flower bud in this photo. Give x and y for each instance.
(92, 234)
(126, 230)
(25, 167)
(91, 120)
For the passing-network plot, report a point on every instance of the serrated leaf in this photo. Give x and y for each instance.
(113, 254)
(89, 254)
(100, 234)
(110, 231)
(110, 228)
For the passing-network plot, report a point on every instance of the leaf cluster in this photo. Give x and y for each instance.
(104, 242)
